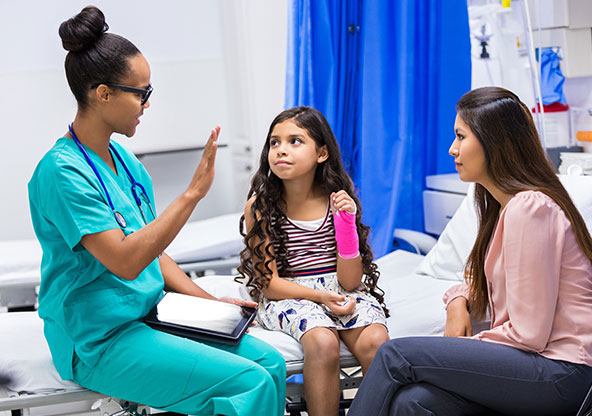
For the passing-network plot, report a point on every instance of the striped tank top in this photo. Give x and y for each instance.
(310, 245)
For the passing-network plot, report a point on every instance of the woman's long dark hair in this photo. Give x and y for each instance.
(268, 205)
(516, 161)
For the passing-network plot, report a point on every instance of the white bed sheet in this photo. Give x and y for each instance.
(25, 356)
(212, 238)
(20, 261)
(414, 300)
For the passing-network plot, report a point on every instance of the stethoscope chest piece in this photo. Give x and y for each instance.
(120, 220)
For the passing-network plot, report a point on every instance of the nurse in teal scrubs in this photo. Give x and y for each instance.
(103, 263)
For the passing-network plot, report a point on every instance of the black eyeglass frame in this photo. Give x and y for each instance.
(145, 93)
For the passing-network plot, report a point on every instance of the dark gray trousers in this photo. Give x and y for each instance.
(461, 376)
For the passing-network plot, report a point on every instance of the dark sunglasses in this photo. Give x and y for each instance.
(145, 94)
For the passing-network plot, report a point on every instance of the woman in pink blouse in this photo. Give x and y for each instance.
(531, 266)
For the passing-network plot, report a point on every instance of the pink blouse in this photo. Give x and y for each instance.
(539, 282)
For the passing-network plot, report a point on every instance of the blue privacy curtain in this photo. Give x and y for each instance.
(386, 74)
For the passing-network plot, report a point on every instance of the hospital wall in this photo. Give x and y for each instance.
(212, 61)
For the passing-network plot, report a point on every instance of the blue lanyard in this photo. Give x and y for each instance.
(138, 198)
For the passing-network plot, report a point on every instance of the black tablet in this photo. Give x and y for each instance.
(200, 319)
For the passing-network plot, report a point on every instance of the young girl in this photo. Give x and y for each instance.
(307, 252)
(531, 265)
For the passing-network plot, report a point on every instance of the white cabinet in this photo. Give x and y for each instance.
(575, 47)
(576, 14)
(440, 201)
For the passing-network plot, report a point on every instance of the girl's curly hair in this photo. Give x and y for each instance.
(267, 205)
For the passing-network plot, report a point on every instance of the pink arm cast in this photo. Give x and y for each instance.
(346, 235)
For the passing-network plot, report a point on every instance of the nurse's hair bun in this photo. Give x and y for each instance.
(83, 30)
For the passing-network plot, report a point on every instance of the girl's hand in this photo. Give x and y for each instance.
(458, 319)
(339, 304)
(204, 174)
(239, 302)
(341, 201)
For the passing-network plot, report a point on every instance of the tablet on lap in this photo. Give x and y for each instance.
(200, 319)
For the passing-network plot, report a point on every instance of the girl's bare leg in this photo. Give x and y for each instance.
(321, 371)
(364, 341)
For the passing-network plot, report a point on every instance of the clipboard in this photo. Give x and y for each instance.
(200, 319)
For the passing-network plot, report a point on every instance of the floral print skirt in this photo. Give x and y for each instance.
(296, 316)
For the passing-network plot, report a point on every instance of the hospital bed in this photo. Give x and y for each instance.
(202, 246)
(35, 382)
(414, 285)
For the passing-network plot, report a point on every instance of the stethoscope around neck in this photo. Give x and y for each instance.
(118, 217)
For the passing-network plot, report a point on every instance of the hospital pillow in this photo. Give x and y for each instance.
(448, 257)
(580, 191)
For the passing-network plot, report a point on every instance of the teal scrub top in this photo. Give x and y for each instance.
(84, 305)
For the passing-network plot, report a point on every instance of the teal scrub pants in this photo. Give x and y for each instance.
(195, 378)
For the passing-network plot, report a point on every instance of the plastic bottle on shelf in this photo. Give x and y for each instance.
(556, 124)
(585, 140)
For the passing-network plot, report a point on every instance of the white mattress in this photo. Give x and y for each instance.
(212, 238)
(25, 357)
(20, 261)
(414, 301)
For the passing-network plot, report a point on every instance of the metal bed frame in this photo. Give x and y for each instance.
(351, 377)
(108, 406)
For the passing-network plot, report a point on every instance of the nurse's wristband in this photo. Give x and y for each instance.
(346, 235)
